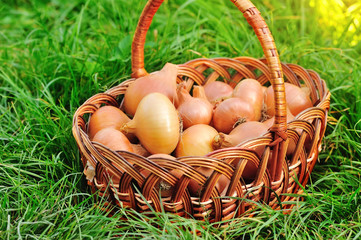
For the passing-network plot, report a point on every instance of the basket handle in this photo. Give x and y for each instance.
(254, 18)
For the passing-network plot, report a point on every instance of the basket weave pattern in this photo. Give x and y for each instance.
(123, 184)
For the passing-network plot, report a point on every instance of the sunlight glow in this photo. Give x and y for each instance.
(342, 17)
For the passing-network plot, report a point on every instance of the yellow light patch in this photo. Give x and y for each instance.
(343, 17)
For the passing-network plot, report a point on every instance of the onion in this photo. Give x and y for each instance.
(306, 90)
(296, 99)
(140, 150)
(157, 155)
(269, 122)
(264, 89)
(291, 145)
(161, 155)
(116, 141)
(113, 139)
(242, 133)
(163, 82)
(196, 141)
(230, 112)
(217, 90)
(165, 188)
(250, 90)
(195, 188)
(156, 124)
(107, 116)
(193, 110)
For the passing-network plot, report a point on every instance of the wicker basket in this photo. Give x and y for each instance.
(278, 175)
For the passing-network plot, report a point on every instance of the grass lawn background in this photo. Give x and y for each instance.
(56, 54)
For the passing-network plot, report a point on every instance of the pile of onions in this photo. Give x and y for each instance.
(214, 117)
(193, 110)
(155, 123)
(163, 82)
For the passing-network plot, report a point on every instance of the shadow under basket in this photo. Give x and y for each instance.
(280, 176)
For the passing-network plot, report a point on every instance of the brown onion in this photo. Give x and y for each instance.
(230, 112)
(195, 188)
(164, 187)
(306, 90)
(156, 124)
(296, 99)
(291, 145)
(163, 82)
(113, 139)
(196, 141)
(107, 116)
(217, 90)
(161, 155)
(116, 141)
(269, 122)
(250, 90)
(242, 133)
(264, 89)
(193, 110)
(140, 150)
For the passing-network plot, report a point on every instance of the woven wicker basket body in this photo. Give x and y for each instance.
(122, 183)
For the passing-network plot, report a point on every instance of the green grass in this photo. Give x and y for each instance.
(56, 54)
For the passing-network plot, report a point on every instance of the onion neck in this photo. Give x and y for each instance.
(140, 150)
(128, 127)
(182, 94)
(219, 101)
(168, 75)
(264, 115)
(239, 121)
(198, 92)
(217, 141)
(222, 140)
